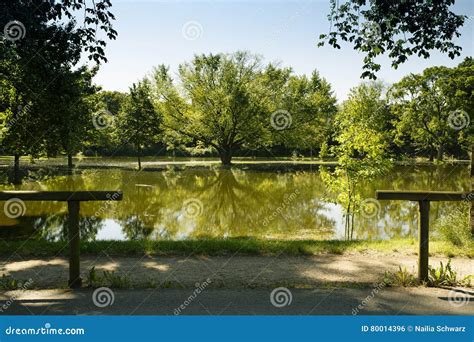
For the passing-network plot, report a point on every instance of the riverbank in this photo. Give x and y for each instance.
(163, 162)
(232, 247)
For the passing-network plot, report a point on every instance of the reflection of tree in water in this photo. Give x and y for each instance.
(51, 228)
(239, 203)
(398, 219)
(135, 229)
(231, 203)
(55, 228)
(264, 204)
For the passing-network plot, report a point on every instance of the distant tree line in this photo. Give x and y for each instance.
(230, 105)
(222, 105)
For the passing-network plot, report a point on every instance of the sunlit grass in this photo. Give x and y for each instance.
(224, 247)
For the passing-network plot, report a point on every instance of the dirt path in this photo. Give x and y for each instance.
(229, 272)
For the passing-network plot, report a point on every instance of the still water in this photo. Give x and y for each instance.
(198, 202)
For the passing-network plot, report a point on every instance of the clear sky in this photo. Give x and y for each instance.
(153, 32)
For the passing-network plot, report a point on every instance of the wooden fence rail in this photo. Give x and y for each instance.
(73, 199)
(423, 198)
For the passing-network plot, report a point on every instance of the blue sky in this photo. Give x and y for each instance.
(151, 33)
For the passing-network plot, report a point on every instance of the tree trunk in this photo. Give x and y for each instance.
(226, 156)
(139, 157)
(70, 165)
(432, 152)
(440, 154)
(16, 170)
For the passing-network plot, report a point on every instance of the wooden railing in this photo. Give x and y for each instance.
(73, 199)
(423, 198)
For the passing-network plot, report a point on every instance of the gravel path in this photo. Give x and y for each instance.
(228, 272)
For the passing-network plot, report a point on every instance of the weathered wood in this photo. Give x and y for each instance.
(74, 245)
(420, 195)
(423, 239)
(62, 195)
(73, 198)
(423, 198)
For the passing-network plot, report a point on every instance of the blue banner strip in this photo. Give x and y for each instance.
(237, 328)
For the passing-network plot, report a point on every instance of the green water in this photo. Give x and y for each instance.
(207, 201)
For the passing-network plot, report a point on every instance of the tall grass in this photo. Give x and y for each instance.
(455, 227)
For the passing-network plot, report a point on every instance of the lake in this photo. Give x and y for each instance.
(274, 201)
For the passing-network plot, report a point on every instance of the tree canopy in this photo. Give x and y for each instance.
(434, 108)
(233, 101)
(399, 28)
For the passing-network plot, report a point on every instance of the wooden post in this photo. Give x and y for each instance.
(73, 199)
(423, 198)
(74, 244)
(423, 240)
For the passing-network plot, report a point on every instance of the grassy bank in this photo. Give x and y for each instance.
(222, 247)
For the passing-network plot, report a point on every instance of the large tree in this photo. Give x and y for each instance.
(434, 108)
(41, 38)
(139, 122)
(104, 138)
(221, 105)
(70, 111)
(232, 101)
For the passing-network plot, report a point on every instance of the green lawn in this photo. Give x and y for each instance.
(216, 247)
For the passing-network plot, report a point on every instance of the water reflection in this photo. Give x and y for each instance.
(227, 203)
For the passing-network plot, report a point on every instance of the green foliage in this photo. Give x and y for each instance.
(9, 283)
(35, 86)
(70, 119)
(228, 247)
(443, 275)
(139, 122)
(362, 138)
(107, 104)
(399, 28)
(433, 109)
(108, 278)
(231, 101)
(455, 226)
(400, 278)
